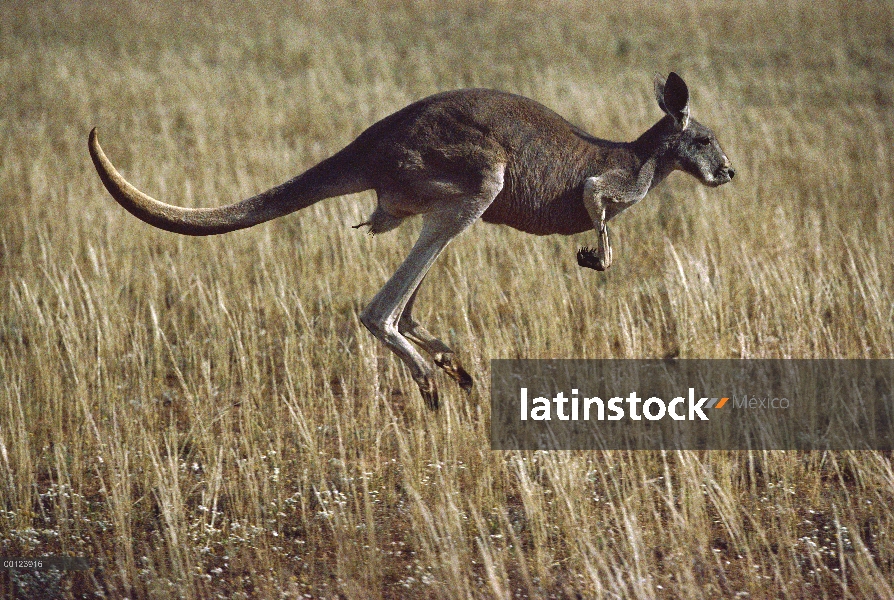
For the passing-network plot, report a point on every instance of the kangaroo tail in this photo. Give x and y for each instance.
(335, 176)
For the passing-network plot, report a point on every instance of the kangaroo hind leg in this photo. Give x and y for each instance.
(383, 315)
(441, 353)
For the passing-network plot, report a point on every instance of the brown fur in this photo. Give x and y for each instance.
(453, 158)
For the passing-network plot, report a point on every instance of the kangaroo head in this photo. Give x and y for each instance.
(693, 147)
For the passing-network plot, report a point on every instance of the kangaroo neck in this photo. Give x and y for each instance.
(652, 158)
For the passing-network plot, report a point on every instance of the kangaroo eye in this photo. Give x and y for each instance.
(703, 141)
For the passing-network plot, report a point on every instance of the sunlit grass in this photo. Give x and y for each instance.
(208, 418)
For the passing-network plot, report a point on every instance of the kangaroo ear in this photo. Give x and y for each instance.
(675, 101)
(659, 91)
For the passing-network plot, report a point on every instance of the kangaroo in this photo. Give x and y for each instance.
(453, 158)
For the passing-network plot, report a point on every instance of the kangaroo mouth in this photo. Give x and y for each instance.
(723, 175)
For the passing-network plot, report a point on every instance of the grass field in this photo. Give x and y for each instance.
(207, 418)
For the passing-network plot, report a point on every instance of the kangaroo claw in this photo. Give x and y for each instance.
(591, 258)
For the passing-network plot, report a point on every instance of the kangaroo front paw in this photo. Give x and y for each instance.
(592, 258)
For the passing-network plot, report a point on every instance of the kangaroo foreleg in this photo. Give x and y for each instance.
(599, 258)
(596, 201)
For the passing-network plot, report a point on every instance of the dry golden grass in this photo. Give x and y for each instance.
(207, 418)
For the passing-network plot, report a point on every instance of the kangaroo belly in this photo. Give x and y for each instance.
(562, 216)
